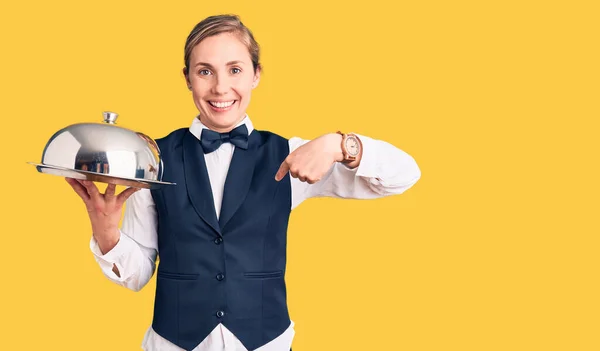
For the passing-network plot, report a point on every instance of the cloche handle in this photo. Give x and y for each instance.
(110, 117)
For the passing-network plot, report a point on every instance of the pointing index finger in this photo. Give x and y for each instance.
(283, 169)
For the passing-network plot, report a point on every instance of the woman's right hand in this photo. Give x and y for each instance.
(104, 210)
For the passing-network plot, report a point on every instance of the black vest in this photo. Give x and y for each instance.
(229, 270)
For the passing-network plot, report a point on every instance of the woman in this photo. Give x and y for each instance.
(221, 231)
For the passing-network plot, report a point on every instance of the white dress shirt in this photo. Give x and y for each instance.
(384, 170)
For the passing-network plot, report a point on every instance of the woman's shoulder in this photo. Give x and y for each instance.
(269, 137)
(173, 137)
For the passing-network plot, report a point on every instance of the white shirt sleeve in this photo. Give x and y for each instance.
(384, 170)
(136, 251)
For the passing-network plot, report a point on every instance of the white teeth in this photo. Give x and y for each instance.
(221, 104)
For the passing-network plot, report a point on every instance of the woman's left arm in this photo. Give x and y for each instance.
(314, 165)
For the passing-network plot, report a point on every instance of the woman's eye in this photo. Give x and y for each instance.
(204, 72)
(235, 70)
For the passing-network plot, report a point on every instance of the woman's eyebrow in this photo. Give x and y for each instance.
(235, 62)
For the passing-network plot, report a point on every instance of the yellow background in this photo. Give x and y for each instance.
(495, 248)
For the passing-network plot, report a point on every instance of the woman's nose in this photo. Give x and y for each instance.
(221, 85)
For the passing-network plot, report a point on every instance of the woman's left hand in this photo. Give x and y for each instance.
(312, 160)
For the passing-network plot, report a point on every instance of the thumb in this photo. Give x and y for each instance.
(283, 169)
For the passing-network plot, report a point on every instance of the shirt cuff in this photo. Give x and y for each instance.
(116, 256)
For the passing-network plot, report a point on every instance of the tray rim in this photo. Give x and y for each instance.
(147, 181)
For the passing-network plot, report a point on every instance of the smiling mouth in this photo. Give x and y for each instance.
(221, 105)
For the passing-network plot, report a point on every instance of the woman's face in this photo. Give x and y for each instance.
(222, 77)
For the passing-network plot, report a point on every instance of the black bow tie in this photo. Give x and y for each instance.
(211, 140)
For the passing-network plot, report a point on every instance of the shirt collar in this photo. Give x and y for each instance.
(197, 126)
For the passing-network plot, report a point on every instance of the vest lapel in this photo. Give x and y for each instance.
(197, 181)
(239, 177)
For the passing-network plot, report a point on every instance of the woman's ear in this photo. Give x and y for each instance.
(187, 78)
(256, 78)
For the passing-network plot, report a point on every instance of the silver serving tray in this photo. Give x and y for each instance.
(99, 177)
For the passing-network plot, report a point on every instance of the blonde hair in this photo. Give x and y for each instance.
(215, 25)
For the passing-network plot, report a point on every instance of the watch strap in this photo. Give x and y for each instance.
(347, 157)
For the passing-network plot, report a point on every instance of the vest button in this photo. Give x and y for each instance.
(220, 276)
(218, 240)
(220, 314)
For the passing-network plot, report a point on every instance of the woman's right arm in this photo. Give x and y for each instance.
(127, 256)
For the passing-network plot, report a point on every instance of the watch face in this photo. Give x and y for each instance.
(352, 146)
